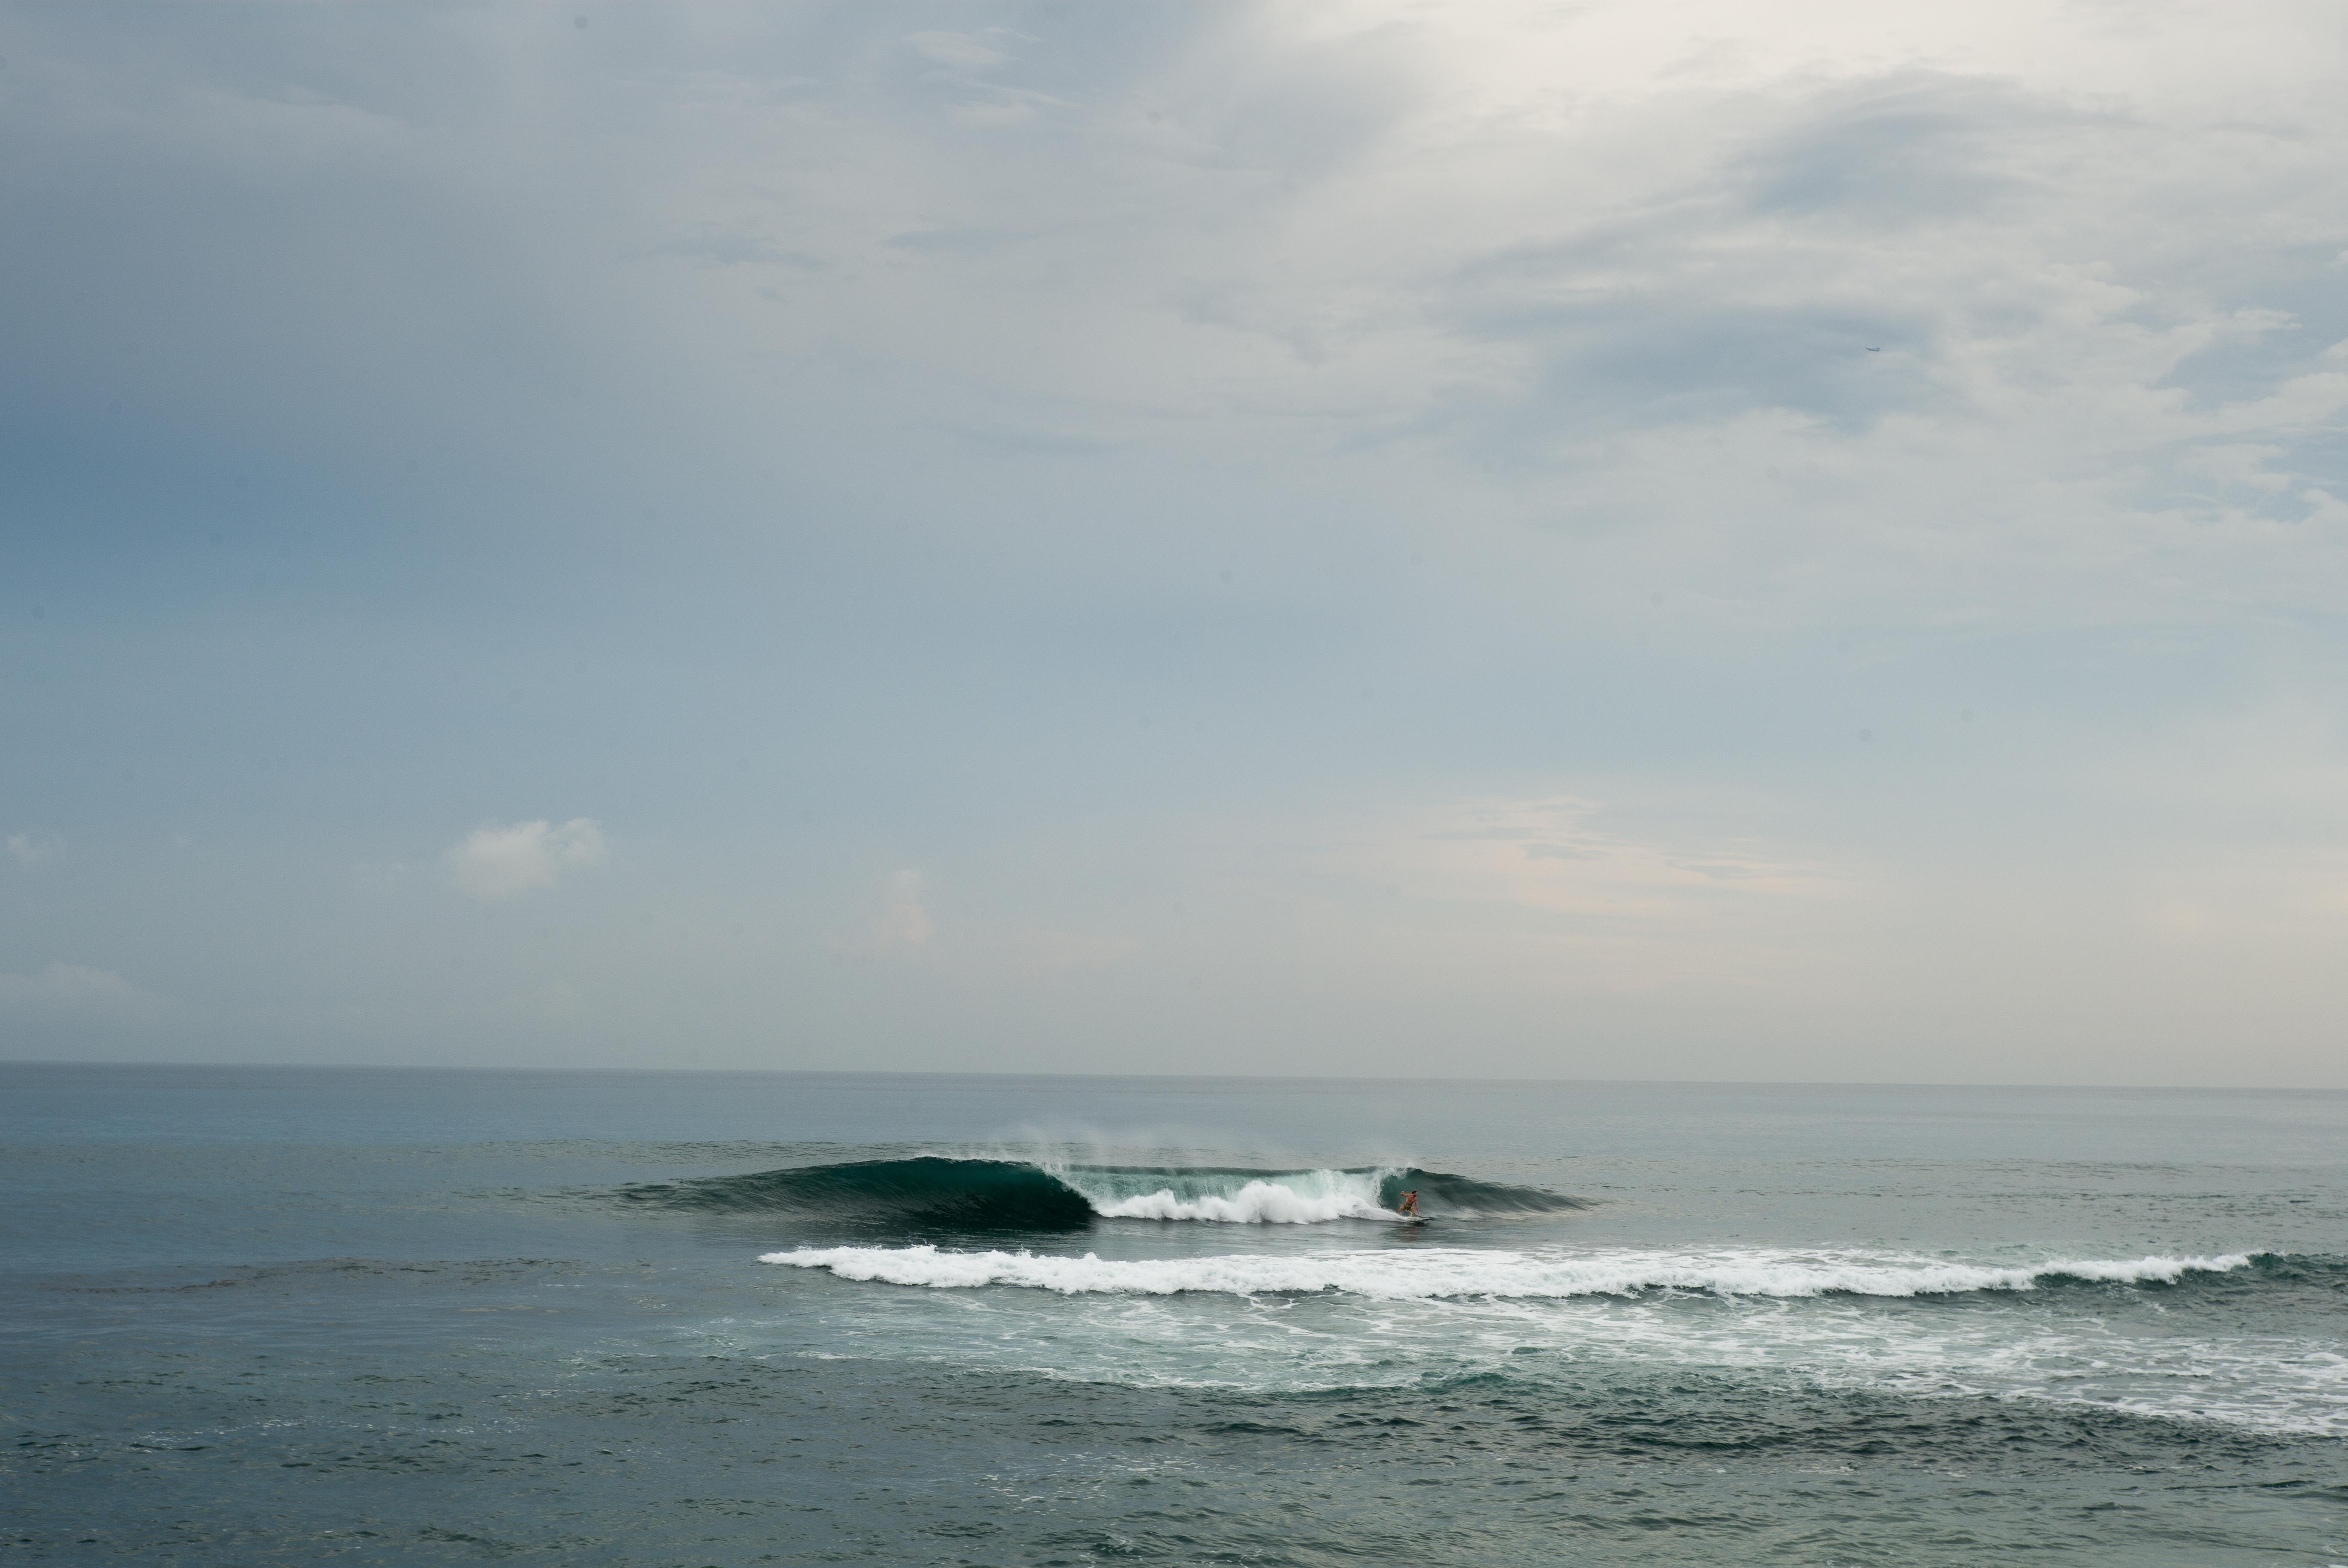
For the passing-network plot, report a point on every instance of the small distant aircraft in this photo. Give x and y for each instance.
(1875, 351)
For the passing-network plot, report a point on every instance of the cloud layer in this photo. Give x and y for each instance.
(1669, 539)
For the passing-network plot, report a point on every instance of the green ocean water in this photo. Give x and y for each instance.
(289, 1316)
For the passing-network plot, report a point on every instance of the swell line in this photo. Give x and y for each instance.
(939, 1193)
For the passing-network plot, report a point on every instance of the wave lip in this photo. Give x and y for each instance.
(1454, 1272)
(937, 1191)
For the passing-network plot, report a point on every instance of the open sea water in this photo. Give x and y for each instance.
(284, 1316)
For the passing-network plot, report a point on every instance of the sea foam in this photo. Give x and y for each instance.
(1446, 1272)
(1305, 1197)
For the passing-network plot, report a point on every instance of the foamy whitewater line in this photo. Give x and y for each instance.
(1443, 1272)
(1294, 1198)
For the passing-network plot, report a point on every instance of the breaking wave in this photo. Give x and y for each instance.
(934, 1190)
(1448, 1272)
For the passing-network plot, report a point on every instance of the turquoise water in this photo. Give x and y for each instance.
(287, 1315)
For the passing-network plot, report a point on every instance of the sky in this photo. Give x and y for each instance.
(1658, 540)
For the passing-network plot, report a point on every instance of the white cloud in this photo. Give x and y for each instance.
(905, 923)
(495, 862)
(32, 849)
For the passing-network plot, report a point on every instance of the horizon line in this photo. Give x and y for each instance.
(1200, 1078)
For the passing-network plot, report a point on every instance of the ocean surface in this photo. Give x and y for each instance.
(282, 1315)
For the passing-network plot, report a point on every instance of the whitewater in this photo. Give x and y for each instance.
(1290, 1198)
(2062, 1331)
(1442, 1272)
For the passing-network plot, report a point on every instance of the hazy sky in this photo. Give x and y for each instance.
(1652, 540)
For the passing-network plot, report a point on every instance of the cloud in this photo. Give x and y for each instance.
(1550, 896)
(1549, 854)
(1582, 265)
(905, 923)
(959, 50)
(79, 990)
(33, 849)
(495, 862)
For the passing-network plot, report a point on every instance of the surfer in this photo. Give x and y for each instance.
(1409, 1207)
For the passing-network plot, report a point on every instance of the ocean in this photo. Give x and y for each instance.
(292, 1315)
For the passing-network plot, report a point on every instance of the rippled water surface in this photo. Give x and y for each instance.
(285, 1315)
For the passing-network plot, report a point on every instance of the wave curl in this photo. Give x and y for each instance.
(937, 1191)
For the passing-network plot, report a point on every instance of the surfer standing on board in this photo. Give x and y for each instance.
(1409, 1207)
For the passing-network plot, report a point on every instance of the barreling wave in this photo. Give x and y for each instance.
(1455, 1272)
(936, 1191)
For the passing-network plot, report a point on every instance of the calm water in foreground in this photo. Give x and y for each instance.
(302, 1317)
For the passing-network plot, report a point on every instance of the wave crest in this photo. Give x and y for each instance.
(1310, 1197)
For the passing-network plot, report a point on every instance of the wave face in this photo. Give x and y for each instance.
(1453, 1272)
(929, 1190)
(937, 1191)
